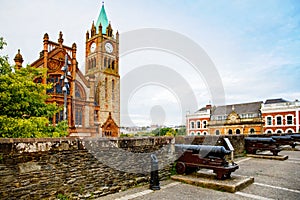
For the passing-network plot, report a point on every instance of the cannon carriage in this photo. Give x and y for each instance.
(193, 157)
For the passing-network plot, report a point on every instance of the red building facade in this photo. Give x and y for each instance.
(281, 116)
(271, 116)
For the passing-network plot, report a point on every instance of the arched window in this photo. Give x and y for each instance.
(198, 124)
(192, 126)
(113, 65)
(105, 63)
(94, 62)
(204, 124)
(269, 131)
(279, 131)
(105, 88)
(113, 89)
(198, 133)
(78, 116)
(252, 131)
(229, 131)
(204, 133)
(217, 132)
(109, 64)
(237, 131)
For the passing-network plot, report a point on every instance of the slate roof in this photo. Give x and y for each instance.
(279, 100)
(253, 107)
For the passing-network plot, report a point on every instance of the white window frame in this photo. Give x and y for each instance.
(286, 120)
(198, 121)
(281, 120)
(204, 124)
(279, 130)
(269, 130)
(290, 129)
(192, 126)
(267, 120)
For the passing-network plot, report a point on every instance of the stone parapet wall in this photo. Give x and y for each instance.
(84, 168)
(43, 168)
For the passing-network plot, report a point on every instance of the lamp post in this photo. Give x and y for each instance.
(66, 86)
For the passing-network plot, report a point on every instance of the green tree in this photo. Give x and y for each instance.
(24, 112)
(163, 131)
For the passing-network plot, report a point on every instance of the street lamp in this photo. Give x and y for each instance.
(66, 86)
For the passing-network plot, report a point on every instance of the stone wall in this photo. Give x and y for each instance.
(85, 168)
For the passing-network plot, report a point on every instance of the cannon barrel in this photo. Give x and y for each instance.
(261, 140)
(286, 137)
(296, 136)
(204, 151)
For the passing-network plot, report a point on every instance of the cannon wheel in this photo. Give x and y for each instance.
(180, 167)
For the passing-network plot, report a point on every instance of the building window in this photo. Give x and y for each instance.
(105, 63)
(105, 88)
(198, 124)
(269, 121)
(230, 132)
(269, 132)
(192, 133)
(78, 116)
(204, 133)
(237, 131)
(279, 131)
(279, 120)
(113, 90)
(252, 131)
(289, 120)
(198, 133)
(59, 117)
(290, 131)
(192, 125)
(113, 65)
(217, 132)
(109, 63)
(204, 124)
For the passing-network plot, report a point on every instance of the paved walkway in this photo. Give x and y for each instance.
(273, 179)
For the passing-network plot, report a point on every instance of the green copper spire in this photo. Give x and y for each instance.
(102, 19)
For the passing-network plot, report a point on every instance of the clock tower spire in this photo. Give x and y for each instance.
(102, 62)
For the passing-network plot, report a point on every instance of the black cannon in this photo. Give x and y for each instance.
(252, 144)
(193, 157)
(295, 137)
(284, 140)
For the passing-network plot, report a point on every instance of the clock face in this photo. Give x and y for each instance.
(93, 47)
(109, 47)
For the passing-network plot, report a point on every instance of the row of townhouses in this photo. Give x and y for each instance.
(271, 116)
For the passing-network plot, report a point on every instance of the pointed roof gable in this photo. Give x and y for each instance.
(102, 19)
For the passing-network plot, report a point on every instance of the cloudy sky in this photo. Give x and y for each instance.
(253, 44)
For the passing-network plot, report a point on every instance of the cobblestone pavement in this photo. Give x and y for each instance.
(273, 179)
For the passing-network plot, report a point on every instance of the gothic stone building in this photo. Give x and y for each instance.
(93, 97)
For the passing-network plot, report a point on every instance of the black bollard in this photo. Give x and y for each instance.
(154, 181)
